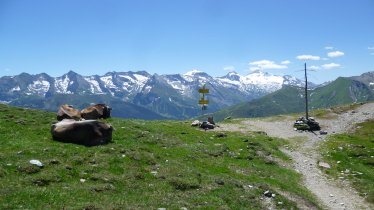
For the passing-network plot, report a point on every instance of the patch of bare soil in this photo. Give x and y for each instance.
(333, 194)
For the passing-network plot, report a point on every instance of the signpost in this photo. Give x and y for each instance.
(306, 94)
(203, 101)
(307, 123)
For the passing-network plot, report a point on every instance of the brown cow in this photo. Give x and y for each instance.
(86, 132)
(68, 112)
(96, 112)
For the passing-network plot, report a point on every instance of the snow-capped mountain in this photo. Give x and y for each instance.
(173, 96)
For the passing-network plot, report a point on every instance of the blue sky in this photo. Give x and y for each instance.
(176, 36)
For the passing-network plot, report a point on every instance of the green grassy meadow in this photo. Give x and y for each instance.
(149, 165)
(351, 157)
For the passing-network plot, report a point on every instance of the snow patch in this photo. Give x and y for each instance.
(17, 88)
(142, 79)
(108, 81)
(94, 85)
(194, 76)
(192, 73)
(61, 85)
(39, 86)
(147, 89)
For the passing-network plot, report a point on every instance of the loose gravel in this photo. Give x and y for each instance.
(333, 194)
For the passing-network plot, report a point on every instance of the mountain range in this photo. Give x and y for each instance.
(140, 94)
(290, 99)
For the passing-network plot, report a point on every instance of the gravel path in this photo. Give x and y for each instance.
(333, 194)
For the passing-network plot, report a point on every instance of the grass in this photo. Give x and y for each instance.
(351, 157)
(149, 165)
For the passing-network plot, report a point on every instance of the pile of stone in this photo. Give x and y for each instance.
(82, 127)
(206, 125)
(307, 124)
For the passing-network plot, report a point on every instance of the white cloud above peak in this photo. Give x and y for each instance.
(329, 48)
(266, 64)
(229, 68)
(330, 66)
(370, 48)
(335, 54)
(308, 57)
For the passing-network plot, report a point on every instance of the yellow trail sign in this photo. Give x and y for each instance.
(203, 90)
(203, 101)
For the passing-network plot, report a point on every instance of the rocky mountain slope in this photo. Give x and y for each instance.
(156, 96)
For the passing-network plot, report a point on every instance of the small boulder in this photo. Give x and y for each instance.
(219, 182)
(324, 165)
(37, 163)
(268, 194)
(211, 121)
(206, 125)
(195, 123)
(323, 132)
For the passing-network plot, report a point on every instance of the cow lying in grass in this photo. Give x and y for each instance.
(86, 132)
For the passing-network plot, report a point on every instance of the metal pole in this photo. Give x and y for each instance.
(306, 94)
(204, 99)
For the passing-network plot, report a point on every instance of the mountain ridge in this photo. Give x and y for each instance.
(290, 99)
(172, 96)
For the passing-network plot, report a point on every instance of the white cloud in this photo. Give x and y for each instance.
(229, 68)
(330, 66)
(371, 53)
(329, 48)
(265, 64)
(335, 54)
(286, 62)
(325, 59)
(308, 57)
(314, 68)
(370, 48)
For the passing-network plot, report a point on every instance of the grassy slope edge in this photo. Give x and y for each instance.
(150, 164)
(351, 157)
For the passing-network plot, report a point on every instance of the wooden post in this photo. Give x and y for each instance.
(306, 94)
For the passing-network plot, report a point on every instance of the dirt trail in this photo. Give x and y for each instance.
(333, 194)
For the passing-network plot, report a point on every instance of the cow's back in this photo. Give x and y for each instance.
(87, 132)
